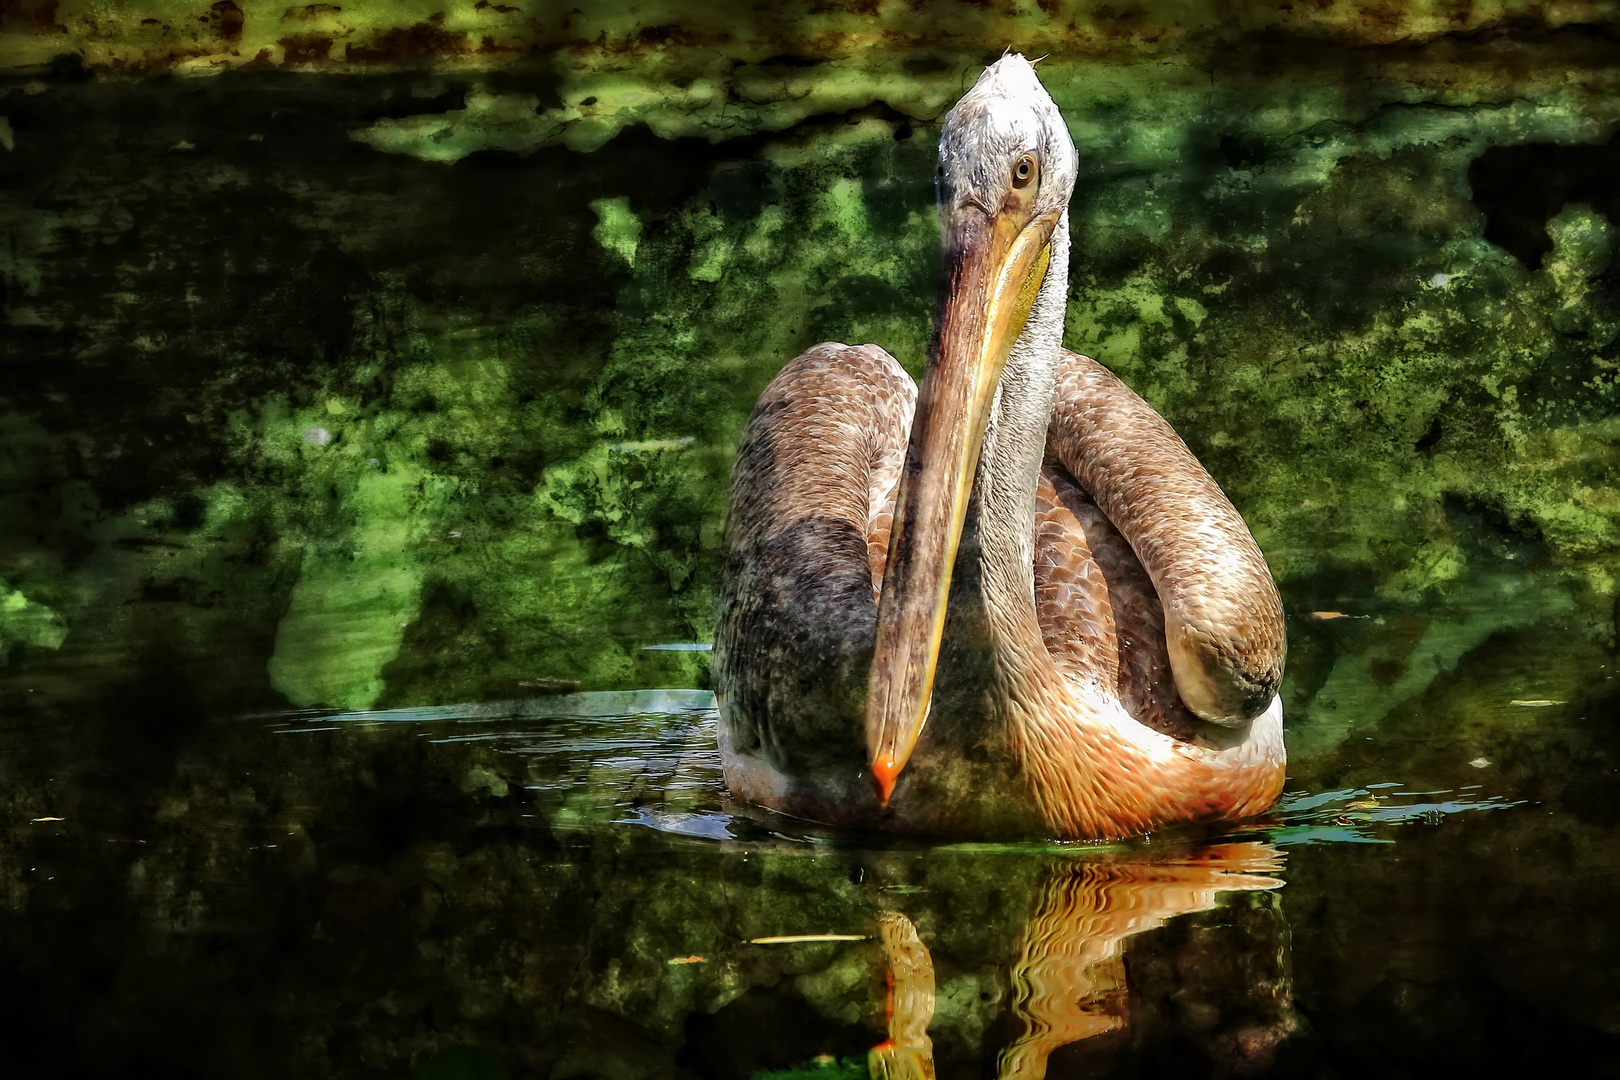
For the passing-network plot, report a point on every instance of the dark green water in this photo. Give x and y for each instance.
(560, 887)
(351, 498)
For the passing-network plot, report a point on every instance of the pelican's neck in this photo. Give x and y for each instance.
(1003, 508)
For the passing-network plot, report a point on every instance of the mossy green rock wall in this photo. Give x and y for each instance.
(375, 356)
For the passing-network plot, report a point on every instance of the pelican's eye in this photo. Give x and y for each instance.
(1025, 171)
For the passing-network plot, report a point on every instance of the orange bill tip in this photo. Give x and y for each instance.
(887, 774)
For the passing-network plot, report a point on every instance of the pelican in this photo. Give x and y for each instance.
(1011, 602)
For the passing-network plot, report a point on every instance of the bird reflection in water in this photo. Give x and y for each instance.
(908, 1053)
(1068, 980)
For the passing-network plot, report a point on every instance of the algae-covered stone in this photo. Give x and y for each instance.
(22, 621)
(419, 383)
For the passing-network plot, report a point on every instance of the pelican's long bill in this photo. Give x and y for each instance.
(994, 266)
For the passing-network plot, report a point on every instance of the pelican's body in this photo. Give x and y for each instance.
(1013, 603)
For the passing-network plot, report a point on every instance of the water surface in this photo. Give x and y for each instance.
(560, 886)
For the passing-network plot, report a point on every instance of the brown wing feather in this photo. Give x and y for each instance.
(888, 461)
(1072, 602)
(1222, 603)
(805, 539)
(1099, 613)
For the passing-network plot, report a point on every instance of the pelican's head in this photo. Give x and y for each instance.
(1006, 170)
(1005, 160)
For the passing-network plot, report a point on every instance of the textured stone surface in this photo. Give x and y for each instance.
(371, 362)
